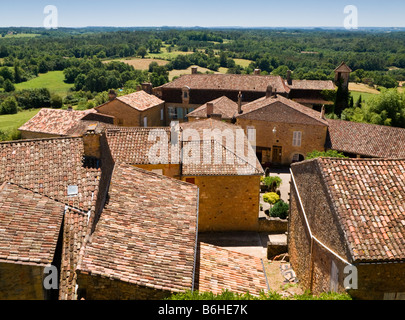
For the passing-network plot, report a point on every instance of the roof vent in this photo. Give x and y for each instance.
(73, 191)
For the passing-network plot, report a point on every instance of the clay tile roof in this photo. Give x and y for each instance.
(49, 167)
(29, 226)
(55, 121)
(228, 82)
(366, 139)
(222, 269)
(140, 100)
(132, 145)
(343, 67)
(223, 106)
(369, 196)
(75, 228)
(312, 85)
(280, 109)
(146, 234)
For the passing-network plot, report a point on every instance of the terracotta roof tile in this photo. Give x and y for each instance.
(229, 82)
(280, 109)
(369, 197)
(140, 100)
(29, 225)
(311, 85)
(366, 139)
(49, 167)
(146, 234)
(55, 121)
(222, 269)
(223, 106)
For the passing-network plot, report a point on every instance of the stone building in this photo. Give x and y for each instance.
(229, 188)
(138, 109)
(52, 123)
(346, 226)
(189, 92)
(285, 130)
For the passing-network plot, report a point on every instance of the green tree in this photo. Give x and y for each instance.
(56, 102)
(8, 86)
(325, 154)
(142, 52)
(9, 106)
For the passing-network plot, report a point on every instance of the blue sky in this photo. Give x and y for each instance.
(208, 13)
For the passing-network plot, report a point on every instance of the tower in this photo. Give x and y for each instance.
(342, 73)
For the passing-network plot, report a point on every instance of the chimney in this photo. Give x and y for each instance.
(112, 95)
(257, 71)
(269, 91)
(194, 70)
(210, 109)
(240, 103)
(147, 87)
(289, 80)
(323, 112)
(70, 108)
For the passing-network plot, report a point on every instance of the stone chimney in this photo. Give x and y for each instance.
(269, 91)
(289, 80)
(323, 112)
(210, 109)
(112, 95)
(147, 87)
(257, 71)
(70, 108)
(194, 70)
(240, 103)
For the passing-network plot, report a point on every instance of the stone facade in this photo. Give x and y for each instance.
(21, 282)
(312, 138)
(127, 116)
(96, 287)
(227, 203)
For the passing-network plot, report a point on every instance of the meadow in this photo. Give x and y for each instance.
(54, 81)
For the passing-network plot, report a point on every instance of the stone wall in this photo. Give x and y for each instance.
(313, 137)
(94, 287)
(168, 170)
(28, 135)
(228, 203)
(21, 282)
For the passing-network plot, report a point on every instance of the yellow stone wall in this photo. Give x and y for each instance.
(313, 137)
(228, 203)
(129, 117)
(168, 170)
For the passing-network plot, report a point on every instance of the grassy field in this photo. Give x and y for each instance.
(243, 62)
(140, 64)
(53, 80)
(178, 73)
(22, 35)
(14, 121)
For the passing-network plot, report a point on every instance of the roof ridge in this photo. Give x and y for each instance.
(40, 139)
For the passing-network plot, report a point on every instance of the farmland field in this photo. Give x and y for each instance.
(14, 121)
(140, 64)
(53, 81)
(178, 73)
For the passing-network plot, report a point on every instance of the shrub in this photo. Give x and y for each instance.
(271, 197)
(325, 154)
(280, 210)
(9, 106)
(272, 183)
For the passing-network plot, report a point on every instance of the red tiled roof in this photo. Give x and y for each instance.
(29, 226)
(75, 228)
(222, 269)
(55, 122)
(368, 196)
(140, 100)
(366, 139)
(280, 109)
(229, 82)
(49, 167)
(311, 85)
(223, 106)
(146, 234)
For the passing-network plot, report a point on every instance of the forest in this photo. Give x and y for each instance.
(91, 61)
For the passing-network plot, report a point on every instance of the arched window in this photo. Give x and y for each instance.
(298, 157)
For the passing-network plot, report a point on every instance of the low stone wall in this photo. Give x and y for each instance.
(272, 225)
